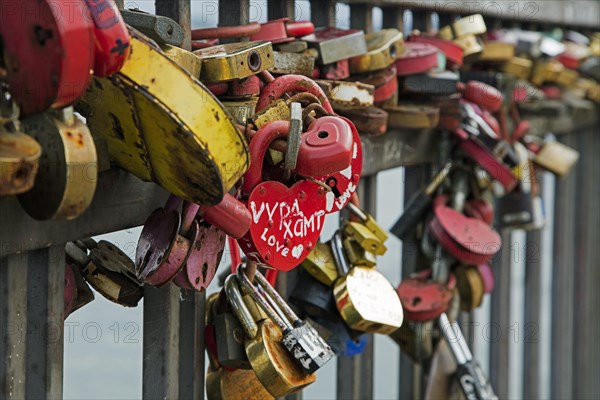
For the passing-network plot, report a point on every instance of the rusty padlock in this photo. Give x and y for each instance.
(48, 58)
(336, 44)
(383, 48)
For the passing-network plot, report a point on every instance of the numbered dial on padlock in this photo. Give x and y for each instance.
(300, 339)
(48, 57)
(359, 293)
(275, 368)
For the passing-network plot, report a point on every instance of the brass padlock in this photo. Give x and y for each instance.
(68, 174)
(357, 255)
(369, 221)
(276, 111)
(469, 25)
(321, 265)
(383, 48)
(497, 52)
(519, 67)
(161, 124)
(556, 157)
(470, 287)
(407, 116)
(241, 110)
(364, 237)
(360, 293)
(230, 61)
(274, 367)
(186, 59)
(19, 153)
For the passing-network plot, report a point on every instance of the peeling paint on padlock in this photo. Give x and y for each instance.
(234, 60)
(160, 28)
(152, 110)
(383, 48)
(291, 63)
(347, 94)
(368, 120)
(336, 44)
(19, 162)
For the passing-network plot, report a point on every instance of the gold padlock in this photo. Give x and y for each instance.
(446, 33)
(470, 286)
(364, 237)
(161, 124)
(360, 293)
(186, 59)
(279, 110)
(19, 153)
(471, 45)
(276, 370)
(357, 255)
(320, 264)
(556, 158)
(68, 174)
(497, 52)
(406, 116)
(383, 48)
(241, 110)
(519, 67)
(567, 77)
(369, 221)
(469, 25)
(230, 61)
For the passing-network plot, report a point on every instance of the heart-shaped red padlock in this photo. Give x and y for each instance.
(286, 223)
(112, 38)
(424, 300)
(469, 240)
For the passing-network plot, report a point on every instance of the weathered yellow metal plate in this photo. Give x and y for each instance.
(160, 123)
(384, 47)
(234, 60)
(186, 59)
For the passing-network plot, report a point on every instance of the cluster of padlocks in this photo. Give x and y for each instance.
(257, 140)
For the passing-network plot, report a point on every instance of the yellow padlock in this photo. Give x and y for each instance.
(497, 52)
(161, 124)
(357, 255)
(186, 59)
(321, 265)
(518, 67)
(406, 116)
(471, 45)
(230, 61)
(364, 237)
(446, 33)
(469, 25)
(241, 110)
(383, 48)
(276, 111)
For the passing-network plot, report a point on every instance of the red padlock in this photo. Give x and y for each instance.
(223, 32)
(424, 300)
(286, 222)
(48, 52)
(230, 215)
(291, 84)
(250, 86)
(485, 96)
(335, 71)
(273, 31)
(418, 58)
(452, 51)
(385, 82)
(480, 209)
(112, 38)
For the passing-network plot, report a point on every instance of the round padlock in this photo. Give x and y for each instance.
(485, 96)
(418, 58)
(423, 300)
(453, 52)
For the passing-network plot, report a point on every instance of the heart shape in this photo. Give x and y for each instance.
(286, 223)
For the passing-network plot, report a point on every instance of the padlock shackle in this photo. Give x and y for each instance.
(188, 214)
(283, 306)
(223, 32)
(337, 248)
(258, 148)
(241, 311)
(288, 84)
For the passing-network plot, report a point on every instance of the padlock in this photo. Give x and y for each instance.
(384, 81)
(469, 374)
(292, 63)
(556, 157)
(439, 84)
(313, 298)
(471, 45)
(470, 286)
(108, 270)
(469, 25)
(452, 51)
(485, 96)
(418, 58)
(423, 299)
(364, 237)
(77, 292)
(357, 255)
(343, 340)
(162, 29)
(166, 242)
(409, 116)
(299, 338)
(334, 71)
(234, 60)
(591, 68)
(519, 67)
(186, 59)
(383, 48)
(279, 110)
(283, 30)
(288, 84)
(367, 120)
(347, 94)
(480, 209)
(320, 264)
(297, 46)
(359, 293)
(497, 52)
(446, 33)
(241, 110)
(516, 207)
(415, 341)
(244, 88)
(111, 37)
(70, 291)
(117, 109)
(469, 240)
(19, 153)
(417, 206)
(280, 237)
(369, 222)
(48, 58)
(230, 215)
(66, 180)
(204, 259)
(336, 44)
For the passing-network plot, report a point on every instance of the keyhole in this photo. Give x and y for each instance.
(42, 35)
(323, 135)
(393, 52)
(254, 60)
(332, 183)
(416, 301)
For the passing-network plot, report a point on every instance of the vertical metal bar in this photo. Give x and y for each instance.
(322, 12)
(422, 20)
(32, 324)
(234, 12)
(587, 274)
(355, 374)
(180, 11)
(393, 17)
(532, 313)
(497, 330)
(564, 282)
(281, 9)
(361, 17)
(191, 345)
